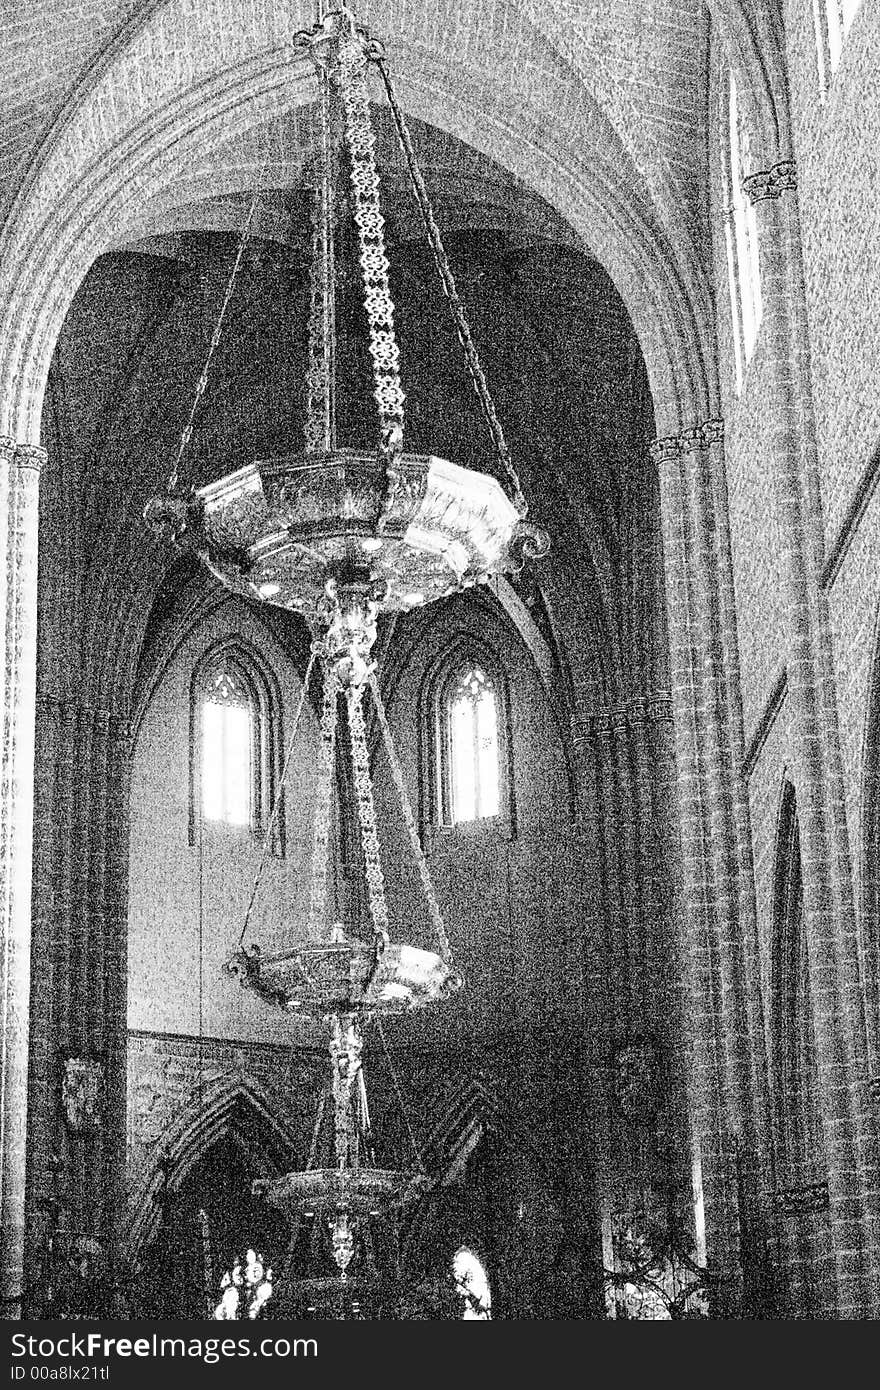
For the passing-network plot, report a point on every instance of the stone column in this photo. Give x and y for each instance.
(19, 499)
(850, 1128)
(728, 1093)
(79, 959)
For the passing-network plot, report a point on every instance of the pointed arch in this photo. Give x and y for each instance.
(794, 1068)
(235, 1104)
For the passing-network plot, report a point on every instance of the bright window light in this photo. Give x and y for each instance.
(475, 791)
(227, 750)
(472, 1285)
(743, 261)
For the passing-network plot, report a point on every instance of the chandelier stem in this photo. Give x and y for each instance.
(346, 1047)
(456, 307)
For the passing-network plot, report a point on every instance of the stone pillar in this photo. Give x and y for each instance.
(718, 942)
(849, 1122)
(79, 957)
(19, 499)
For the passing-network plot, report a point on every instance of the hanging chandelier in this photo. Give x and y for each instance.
(356, 531)
(340, 535)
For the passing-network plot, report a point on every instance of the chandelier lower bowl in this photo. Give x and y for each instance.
(322, 978)
(278, 529)
(363, 1192)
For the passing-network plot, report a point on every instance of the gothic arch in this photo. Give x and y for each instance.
(217, 1112)
(93, 173)
(797, 1119)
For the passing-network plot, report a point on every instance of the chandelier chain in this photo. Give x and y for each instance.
(421, 862)
(447, 278)
(202, 383)
(321, 840)
(276, 805)
(361, 142)
(320, 432)
(366, 808)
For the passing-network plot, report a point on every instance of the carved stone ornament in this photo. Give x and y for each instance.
(636, 1079)
(770, 183)
(82, 1094)
(801, 1201)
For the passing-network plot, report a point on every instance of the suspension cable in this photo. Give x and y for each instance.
(412, 1138)
(448, 281)
(202, 383)
(411, 830)
(277, 802)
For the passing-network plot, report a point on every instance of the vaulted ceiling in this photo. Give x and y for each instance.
(123, 116)
(622, 83)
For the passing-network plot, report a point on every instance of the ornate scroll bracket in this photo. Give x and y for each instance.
(770, 183)
(672, 446)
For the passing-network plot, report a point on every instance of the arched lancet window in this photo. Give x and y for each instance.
(833, 19)
(235, 740)
(798, 1125)
(466, 755)
(227, 746)
(472, 1286)
(473, 752)
(741, 232)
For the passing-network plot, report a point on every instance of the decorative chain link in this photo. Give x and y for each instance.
(367, 816)
(202, 383)
(434, 912)
(456, 308)
(320, 412)
(267, 842)
(361, 142)
(321, 841)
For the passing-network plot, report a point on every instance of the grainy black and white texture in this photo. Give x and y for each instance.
(671, 937)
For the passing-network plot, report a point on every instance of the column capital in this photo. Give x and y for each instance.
(770, 183)
(672, 446)
(21, 455)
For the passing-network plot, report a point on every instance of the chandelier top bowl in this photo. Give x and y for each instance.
(338, 977)
(276, 530)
